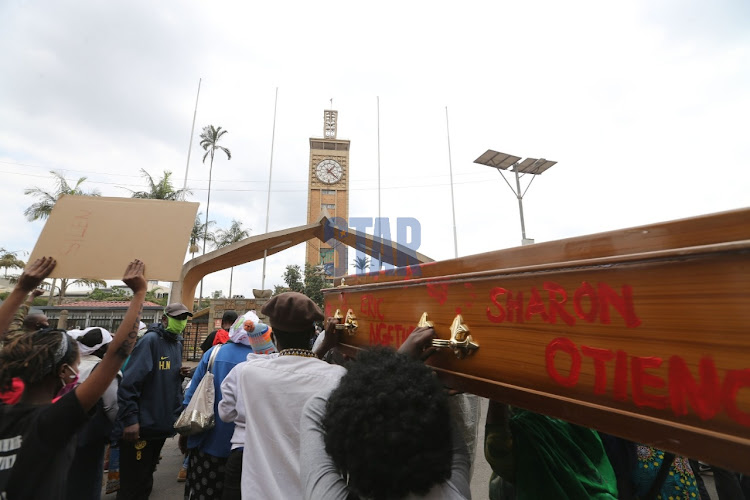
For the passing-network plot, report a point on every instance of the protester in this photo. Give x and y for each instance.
(209, 450)
(386, 431)
(221, 335)
(643, 471)
(275, 389)
(676, 480)
(544, 457)
(142, 329)
(150, 400)
(85, 476)
(38, 436)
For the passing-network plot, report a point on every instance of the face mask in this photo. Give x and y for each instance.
(176, 326)
(69, 383)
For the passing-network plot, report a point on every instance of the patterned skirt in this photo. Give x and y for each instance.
(205, 476)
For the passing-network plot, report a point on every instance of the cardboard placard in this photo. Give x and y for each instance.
(96, 237)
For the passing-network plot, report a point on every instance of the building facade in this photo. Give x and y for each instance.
(103, 314)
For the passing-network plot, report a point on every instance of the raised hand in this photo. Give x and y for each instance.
(34, 274)
(331, 337)
(36, 293)
(418, 345)
(134, 276)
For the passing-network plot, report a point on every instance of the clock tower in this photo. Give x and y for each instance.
(328, 188)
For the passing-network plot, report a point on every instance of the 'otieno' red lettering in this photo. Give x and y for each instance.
(641, 380)
(555, 305)
(600, 358)
(705, 398)
(568, 347)
(733, 382)
(621, 376)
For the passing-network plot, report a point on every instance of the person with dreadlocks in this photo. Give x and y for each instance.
(36, 435)
(388, 430)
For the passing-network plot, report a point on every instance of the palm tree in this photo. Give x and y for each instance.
(199, 232)
(160, 190)
(360, 263)
(210, 143)
(225, 237)
(42, 208)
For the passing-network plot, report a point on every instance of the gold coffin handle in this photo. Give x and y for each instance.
(460, 342)
(350, 321)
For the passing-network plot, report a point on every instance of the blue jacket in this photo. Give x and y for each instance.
(217, 441)
(151, 389)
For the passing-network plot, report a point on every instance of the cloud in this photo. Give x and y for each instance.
(643, 106)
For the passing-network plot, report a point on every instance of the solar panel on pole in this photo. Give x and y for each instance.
(497, 160)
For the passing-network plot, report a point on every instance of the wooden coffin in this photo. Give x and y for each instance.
(642, 333)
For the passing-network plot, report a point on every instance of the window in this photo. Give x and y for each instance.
(327, 191)
(326, 255)
(330, 206)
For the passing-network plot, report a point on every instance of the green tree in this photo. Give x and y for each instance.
(10, 260)
(65, 283)
(293, 278)
(226, 237)
(210, 137)
(314, 283)
(114, 294)
(151, 297)
(43, 207)
(161, 189)
(361, 263)
(310, 284)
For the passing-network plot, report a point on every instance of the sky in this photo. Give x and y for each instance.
(643, 104)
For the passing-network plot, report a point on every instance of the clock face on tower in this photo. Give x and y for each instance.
(329, 171)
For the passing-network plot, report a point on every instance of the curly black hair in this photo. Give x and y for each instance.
(387, 426)
(32, 356)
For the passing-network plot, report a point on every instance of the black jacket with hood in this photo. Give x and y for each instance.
(151, 389)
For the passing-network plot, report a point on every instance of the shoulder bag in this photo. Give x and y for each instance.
(198, 416)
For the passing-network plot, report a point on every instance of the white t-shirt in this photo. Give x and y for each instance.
(274, 391)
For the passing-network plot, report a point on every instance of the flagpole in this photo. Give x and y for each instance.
(377, 231)
(270, 175)
(192, 132)
(453, 200)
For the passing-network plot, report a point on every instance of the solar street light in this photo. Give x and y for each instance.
(531, 166)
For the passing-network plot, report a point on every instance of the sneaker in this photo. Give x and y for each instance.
(182, 475)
